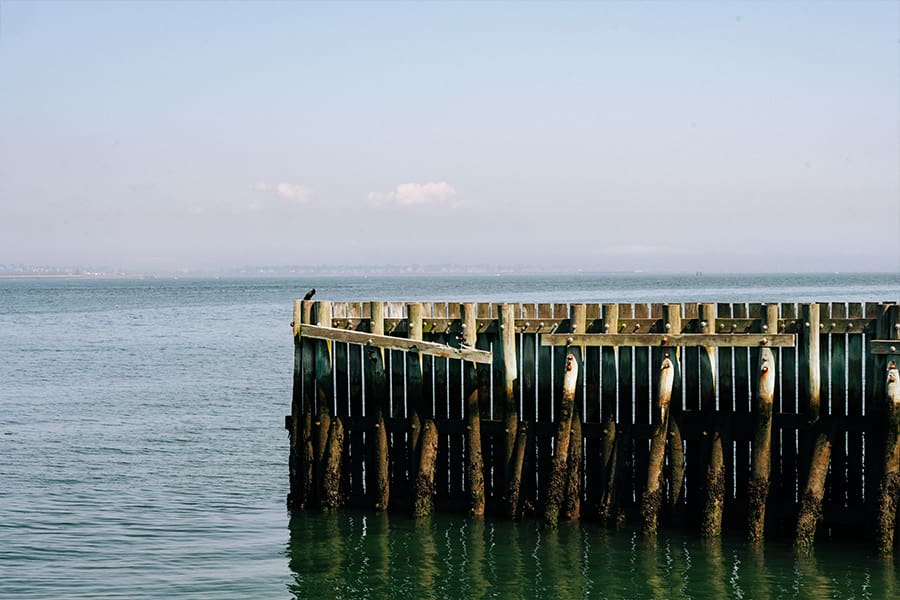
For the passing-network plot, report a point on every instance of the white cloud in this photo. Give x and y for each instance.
(293, 192)
(417, 194)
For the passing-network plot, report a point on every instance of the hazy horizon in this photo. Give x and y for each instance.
(658, 137)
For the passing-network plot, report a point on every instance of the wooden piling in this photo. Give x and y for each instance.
(377, 391)
(424, 488)
(762, 439)
(890, 481)
(332, 461)
(474, 461)
(559, 469)
(652, 498)
(308, 386)
(675, 445)
(814, 490)
(571, 509)
(761, 459)
(714, 492)
(748, 420)
(512, 465)
(414, 385)
(324, 394)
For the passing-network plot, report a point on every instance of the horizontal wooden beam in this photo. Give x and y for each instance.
(735, 340)
(394, 343)
(442, 325)
(884, 346)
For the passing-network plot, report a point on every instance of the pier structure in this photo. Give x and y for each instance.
(775, 419)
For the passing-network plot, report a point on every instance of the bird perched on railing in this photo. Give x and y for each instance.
(310, 294)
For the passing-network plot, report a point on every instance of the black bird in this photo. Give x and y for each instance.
(310, 294)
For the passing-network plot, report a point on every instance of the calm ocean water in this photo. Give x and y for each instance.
(143, 455)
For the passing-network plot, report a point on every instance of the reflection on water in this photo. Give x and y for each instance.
(352, 554)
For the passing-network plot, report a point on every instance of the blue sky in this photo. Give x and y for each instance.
(659, 136)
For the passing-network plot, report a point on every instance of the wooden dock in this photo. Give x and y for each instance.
(774, 419)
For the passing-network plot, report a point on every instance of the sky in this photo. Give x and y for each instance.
(658, 136)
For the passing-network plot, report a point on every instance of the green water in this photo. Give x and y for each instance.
(354, 554)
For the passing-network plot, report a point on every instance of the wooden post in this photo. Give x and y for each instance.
(810, 369)
(332, 465)
(811, 501)
(376, 388)
(307, 448)
(652, 499)
(672, 323)
(414, 385)
(889, 489)
(428, 442)
(474, 461)
(610, 362)
(760, 465)
(511, 465)
(324, 395)
(762, 439)
(557, 483)
(572, 497)
(714, 501)
(890, 480)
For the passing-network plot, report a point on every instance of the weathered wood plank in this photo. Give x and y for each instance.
(394, 343)
(734, 340)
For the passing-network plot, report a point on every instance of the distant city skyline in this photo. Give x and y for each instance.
(612, 136)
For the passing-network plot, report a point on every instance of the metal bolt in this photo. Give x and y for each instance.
(668, 326)
(606, 328)
(765, 327)
(569, 341)
(893, 348)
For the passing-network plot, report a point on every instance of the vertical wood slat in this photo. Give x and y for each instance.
(608, 408)
(455, 403)
(545, 412)
(399, 438)
(790, 403)
(855, 402)
(625, 487)
(643, 398)
(485, 394)
(529, 389)
(356, 439)
(838, 407)
(743, 397)
(438, 384)
(592, 378)
(727, 405)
